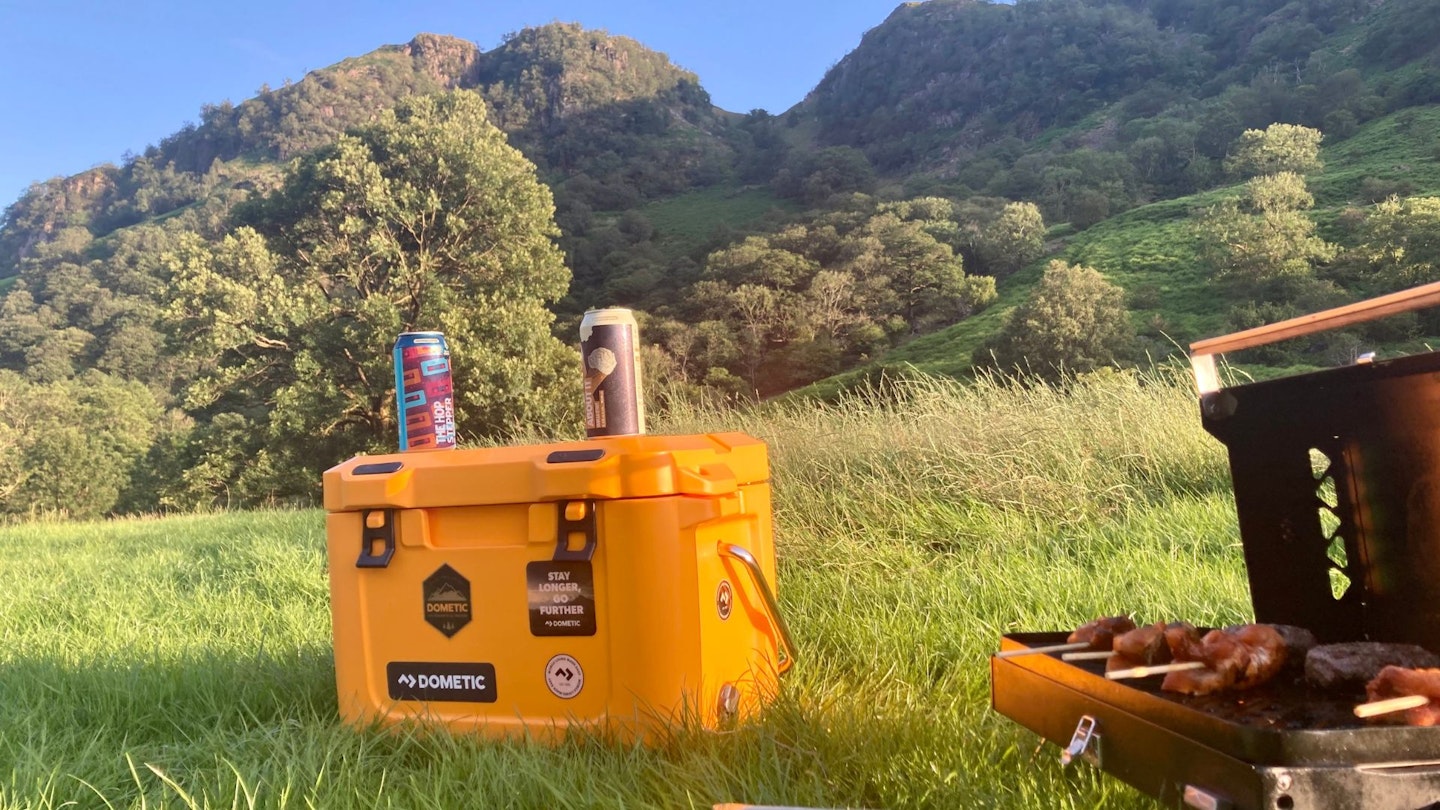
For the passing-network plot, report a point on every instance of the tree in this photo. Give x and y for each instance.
(425, 219)
(815, 177)
(1275, 149)
(1073, 321)
(71, 446)
(926, 274)
(1013, 240)
(1400, 241)
(1264, 237)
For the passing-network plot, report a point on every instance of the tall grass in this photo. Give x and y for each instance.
(186, 662)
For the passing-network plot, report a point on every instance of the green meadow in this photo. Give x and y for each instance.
(186, 661)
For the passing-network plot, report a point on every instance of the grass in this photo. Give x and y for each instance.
(185, 661)
(687, 221)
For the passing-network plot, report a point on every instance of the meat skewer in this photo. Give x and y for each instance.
(1101, 633)
(1092, 655)
(1098, 634)
(1238, 658)
(1395, 704)
(1049, 648)
(1152, 645)
(1415, 692)
(1157, 669)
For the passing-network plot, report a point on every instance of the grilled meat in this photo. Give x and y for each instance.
(1143, 645)
(1298, 642)
(1353, 663)
(1152, 644)
(1393, 682)
(1238, 658)
(1100, 633)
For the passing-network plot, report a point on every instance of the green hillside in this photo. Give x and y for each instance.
(216, 293)
(1150, 250)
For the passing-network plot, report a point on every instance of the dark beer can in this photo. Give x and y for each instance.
(610, 362)
(425, 399)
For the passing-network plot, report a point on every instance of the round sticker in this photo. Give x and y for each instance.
(564, 676)
(724, 599)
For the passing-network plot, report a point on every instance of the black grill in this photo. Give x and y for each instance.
(1337, 490)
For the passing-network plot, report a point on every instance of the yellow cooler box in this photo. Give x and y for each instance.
(619, 583)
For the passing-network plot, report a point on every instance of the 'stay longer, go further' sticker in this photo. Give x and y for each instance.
(562, 597)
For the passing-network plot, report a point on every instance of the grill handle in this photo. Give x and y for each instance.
(1203, 352)
(787, 655)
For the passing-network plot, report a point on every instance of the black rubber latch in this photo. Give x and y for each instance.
(369, 537)
(585, 525)
(379, 468)
(573, 456)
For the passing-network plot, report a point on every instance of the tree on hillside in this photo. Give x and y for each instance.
(1014, 239)
(70, 446)
(1277, 148)
(1264, 237)
(814, 177)
(807, 301)
(426, 219)
(1073, 321)
(1400, 241)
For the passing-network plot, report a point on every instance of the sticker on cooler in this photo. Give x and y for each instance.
(724, 599)
(562, 597)
(447, 600)
(441, 681)
(564, 676)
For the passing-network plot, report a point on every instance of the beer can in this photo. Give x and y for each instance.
(610, 362)
(424, 397)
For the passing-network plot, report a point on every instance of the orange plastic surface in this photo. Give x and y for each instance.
(679, 631)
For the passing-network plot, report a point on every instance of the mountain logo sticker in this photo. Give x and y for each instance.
(447, 600)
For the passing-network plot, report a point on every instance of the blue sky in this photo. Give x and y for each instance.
(82, 83)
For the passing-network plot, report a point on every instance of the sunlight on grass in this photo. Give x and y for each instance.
(185, 662)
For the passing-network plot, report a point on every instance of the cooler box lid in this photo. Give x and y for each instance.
(705, 465)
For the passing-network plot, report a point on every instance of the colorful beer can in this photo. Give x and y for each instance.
(425, 399)
(610, 362)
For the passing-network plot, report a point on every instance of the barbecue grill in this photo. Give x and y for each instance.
(1337, 489)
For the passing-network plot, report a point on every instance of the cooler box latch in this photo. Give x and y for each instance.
(575, 517)
(379, 527)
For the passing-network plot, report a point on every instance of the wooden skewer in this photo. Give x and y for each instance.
(1087, 656)
(1053, 648)
(1396, 704)
(1161, 669)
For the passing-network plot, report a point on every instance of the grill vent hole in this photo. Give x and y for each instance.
(1336, 552)
(1323, 468)
(1339, 583)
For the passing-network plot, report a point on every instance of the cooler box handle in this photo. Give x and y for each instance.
(1202, 353)
(787, 655)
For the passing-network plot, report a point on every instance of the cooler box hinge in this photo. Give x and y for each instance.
(378, 527)
(575, 517)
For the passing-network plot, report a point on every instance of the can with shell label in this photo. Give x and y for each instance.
(609, 359)
(425, 399)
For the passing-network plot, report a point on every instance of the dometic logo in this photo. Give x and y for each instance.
(433, 681)
(724, 599)
(447, 600)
